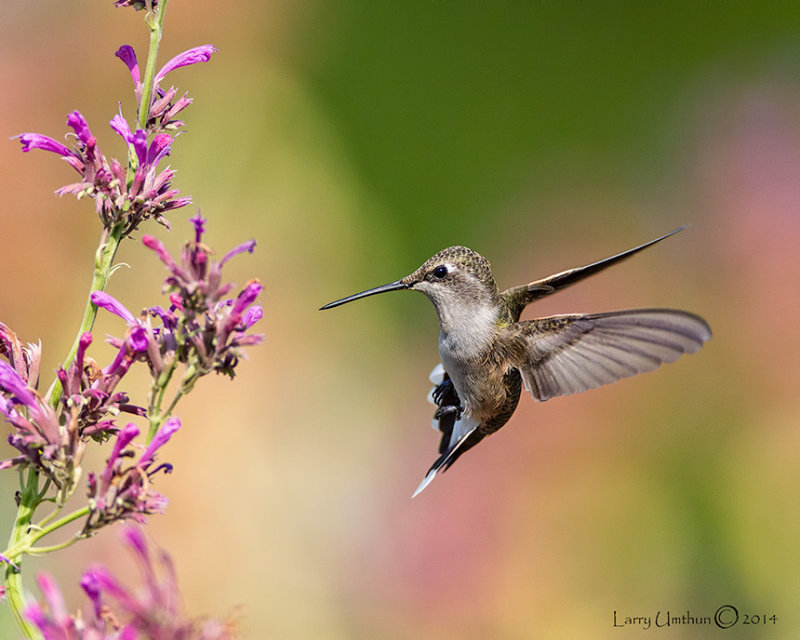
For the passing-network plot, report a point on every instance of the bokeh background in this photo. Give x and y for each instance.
(354, 139)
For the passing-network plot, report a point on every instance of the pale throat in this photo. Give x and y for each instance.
(467, 333)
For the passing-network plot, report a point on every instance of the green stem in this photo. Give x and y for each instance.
(178, 395)
(40, 551)
(43, 531)
(50, 516)
(70, 517)
(21, 538)
(155, 414)
(29, 499)
(156, 24)
(104, 259)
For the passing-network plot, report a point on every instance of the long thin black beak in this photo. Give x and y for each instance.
(392, 286)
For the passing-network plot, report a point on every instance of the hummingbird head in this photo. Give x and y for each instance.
(457, 280)
(453, 277)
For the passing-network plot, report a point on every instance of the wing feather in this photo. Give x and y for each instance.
(561, 355)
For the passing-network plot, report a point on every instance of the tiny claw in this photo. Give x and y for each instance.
(441, 412)
(446, 386)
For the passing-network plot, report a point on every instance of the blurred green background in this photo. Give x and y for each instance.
(353, 140)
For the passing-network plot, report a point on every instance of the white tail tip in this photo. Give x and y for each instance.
(425, 482)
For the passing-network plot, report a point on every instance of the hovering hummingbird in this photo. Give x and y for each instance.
(489, 355)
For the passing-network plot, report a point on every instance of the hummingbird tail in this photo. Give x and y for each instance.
(443, 462)
(425, 482)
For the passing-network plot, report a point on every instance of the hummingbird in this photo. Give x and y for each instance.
(489, 355)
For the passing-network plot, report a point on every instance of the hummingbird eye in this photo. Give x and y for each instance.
(440, 272)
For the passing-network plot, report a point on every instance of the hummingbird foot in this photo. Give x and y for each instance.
(443, 391)
(442, 412)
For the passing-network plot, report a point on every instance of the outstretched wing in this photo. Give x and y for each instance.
(518, 297)
(560, 355)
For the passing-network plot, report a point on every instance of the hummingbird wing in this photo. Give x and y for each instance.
(520, 296)
(565, 354)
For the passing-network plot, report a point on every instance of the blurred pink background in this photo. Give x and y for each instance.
(353, 141)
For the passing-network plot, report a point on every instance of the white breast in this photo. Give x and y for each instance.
(463, 342)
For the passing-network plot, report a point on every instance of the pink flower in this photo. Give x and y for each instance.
(118, 612)
(213, 327)
(190, 56)
(142, 191)
(123, 491)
